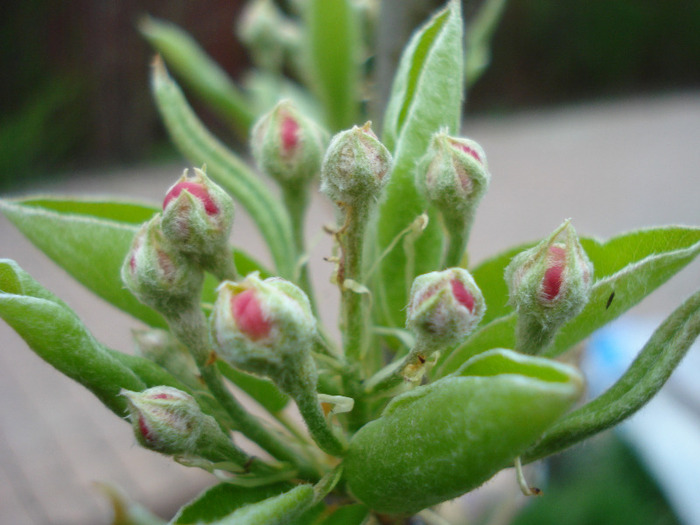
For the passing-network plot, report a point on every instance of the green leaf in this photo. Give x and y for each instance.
(283, 509)
(199, 72)
(642, 381)
(488, 275)
(262, 390)
(221, 500)
(87, 238)
(443, 439)
(56, 335)
(478, 39)
(229, 504)
(333, 48)
(632, 265)
(347, 515)
(197, 144)
(426, 97)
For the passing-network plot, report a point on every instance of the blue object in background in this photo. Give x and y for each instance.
(666, 432)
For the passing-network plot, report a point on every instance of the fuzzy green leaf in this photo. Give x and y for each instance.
(632, 265)
(642, 380)
(443, 439)
(333, 49)
(221, 500)
(56, 335)
(201, 147)
(426, 97)
(226, 504)
(199, 72)
(87, 238)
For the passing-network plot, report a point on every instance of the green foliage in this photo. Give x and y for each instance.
(385, 434)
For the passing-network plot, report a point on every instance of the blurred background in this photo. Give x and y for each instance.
(589, 110)
(75, 92)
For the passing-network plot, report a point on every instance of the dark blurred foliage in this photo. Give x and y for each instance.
(75, 79)
(75, 74)
(554, 51)
(601, 483)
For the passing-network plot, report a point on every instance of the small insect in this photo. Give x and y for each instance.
(610, 300)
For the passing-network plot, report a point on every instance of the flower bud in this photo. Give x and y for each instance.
(288, 146)
(159, 275)
(166, 419)
(197, 216)
(266, 328)
(260, 27)
(355, 167)
(454, 176)
(444, 308)
(548, 285)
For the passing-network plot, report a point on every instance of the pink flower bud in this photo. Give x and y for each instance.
(444, 307)
(548, 285)
(288, 146)
(157, 274)
(197, 216)
(165, 419)
(454, 177)
(265, 327)
(356, 166)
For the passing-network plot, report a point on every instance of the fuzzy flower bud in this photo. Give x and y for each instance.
(548, 285)
(166, 419)
(454, 176)
(159, 275)
(288, 146)
(356, 166)
(197, 216)
(263, 28)
(266, 327)
(444, 307)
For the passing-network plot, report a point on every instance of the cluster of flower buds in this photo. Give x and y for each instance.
(444, 308)
(288, 146)
(164, 267)
(170, 421)
(355, 167)
(266, 327)
(548, 285)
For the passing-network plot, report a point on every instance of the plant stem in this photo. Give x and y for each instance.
(296, 200)
(310, 409)
(353, 311)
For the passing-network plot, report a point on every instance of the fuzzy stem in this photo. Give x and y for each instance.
(353, 311)
(322, 433)
(296, 200)
(531, 337)
(457, 238)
